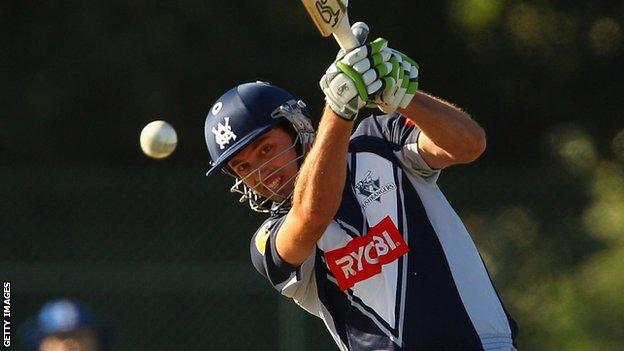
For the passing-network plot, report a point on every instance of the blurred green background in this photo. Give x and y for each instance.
(161, 252)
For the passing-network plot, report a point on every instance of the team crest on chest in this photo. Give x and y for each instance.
(370, 188)
(223, 133)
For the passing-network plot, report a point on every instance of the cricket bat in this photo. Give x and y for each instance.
(330, 17)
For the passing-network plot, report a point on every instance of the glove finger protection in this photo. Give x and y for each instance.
(348, 82)
(386, 99)
(405, 74)
(412, 86)
(395, 99)
(367, 51)
(381, 57)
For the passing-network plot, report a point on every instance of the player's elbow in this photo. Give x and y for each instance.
(479, 144)
(474, 147)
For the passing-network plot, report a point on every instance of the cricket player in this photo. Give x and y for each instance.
(359, 233)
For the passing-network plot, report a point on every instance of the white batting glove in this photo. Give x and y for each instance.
(400, 86)
(360, 30)
(349, 81)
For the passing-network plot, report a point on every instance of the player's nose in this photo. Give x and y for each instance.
(259, 174)
(266, 172)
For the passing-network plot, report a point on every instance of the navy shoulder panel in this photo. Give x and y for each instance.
(393, 127)
(257, 247)
(264, 254)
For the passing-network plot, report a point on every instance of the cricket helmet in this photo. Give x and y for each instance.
(243, 114)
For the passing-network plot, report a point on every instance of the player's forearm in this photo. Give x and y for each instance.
(318, 190)
(447, 126)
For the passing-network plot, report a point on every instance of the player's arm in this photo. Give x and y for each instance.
(318, 189)
(448, 135)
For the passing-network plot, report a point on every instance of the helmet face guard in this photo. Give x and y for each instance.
(242, 115)
(274, 201)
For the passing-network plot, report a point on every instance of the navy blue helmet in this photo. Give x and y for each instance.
(243, 114)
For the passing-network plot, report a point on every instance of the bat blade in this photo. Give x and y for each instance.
(330, 17)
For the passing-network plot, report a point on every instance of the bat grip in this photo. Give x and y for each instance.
(344, 36)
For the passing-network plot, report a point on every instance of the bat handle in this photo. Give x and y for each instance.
(344, 36)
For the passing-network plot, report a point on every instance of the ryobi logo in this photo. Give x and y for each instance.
(363, 256)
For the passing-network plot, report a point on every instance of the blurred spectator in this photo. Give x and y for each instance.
(66, 325)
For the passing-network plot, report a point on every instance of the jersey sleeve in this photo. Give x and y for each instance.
(402, 135)
(296, 282)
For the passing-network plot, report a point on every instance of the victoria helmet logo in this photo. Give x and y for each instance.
(223, 133)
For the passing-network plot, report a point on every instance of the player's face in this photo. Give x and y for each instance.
(268, 165)
(78, 341)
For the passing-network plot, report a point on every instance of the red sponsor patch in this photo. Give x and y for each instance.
(409, 122)
(363, 256)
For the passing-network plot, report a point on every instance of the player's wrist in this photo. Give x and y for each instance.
(346, 115)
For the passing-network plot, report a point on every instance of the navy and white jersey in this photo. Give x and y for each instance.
(396, 268)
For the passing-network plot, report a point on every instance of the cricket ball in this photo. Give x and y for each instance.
(158, 139)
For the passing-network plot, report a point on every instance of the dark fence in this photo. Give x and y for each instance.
(161, 251)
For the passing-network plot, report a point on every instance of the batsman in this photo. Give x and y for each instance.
(358, 232)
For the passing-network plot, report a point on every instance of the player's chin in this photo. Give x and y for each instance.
(278, 196)
(280, 192)
(287, 190)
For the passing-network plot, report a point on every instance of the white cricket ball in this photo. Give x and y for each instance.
(158, 139)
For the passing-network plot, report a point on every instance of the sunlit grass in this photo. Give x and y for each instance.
(605, 36)
(618, 145)
(476, 15)
(574, 148)
(605, 217)
(537, 29)
(526, 24)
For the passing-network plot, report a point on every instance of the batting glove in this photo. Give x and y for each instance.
(400, 86)
(350, 80)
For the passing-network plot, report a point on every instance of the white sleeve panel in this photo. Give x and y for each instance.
(412, 161)
(296, 282)
(301, 287)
